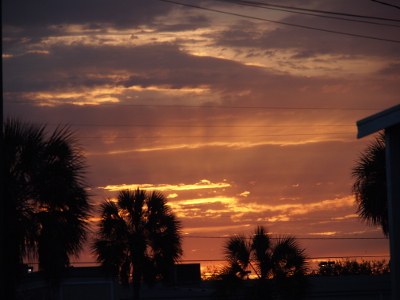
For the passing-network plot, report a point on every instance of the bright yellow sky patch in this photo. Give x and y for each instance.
(236, 209)
(323, 233)
(202, 184)
(244, 194)
(346, 217)
(214, 229)
(169, 90)
(89, 96)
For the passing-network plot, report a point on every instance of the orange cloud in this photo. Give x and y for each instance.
(244, 194)
(202, 184)
(236, 210)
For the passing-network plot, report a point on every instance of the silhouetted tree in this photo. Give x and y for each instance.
(46, 204)
(369, 187)
(279, 264)
(138, 235)
(352, 267)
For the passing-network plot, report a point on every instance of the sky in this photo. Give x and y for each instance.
(240, 115)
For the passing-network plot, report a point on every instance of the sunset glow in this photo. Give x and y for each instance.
(202, 184)
(238, 121)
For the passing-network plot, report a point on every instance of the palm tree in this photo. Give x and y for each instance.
(281, 260)
(369, 187)
(139, 235)
(46, 206)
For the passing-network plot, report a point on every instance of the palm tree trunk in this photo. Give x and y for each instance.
(136, 290)
(136, 282)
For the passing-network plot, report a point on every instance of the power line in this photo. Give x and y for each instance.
(210, 136)
(261, 4)
(283, 23)
(215, 259)
(205, 126)
(352, 256)
(310, 258)
(221, 106)
(385, 3)
(303, 11)
(297, 238)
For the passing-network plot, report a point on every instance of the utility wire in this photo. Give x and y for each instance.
(202, 126)
(297, 238)
(261, 4)
(220, 106)
(214, 259)
(210, 136)
(310, 258)
(284, 23)
(388, 4)
(290, 9)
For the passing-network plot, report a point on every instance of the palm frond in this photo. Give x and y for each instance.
(138, 235)
(369, 187)
(112, 226)
(288, 257)
(237, 251)
(261, 251)
(45, 193)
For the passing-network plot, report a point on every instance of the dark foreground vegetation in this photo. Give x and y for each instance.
(279, 264)
(352, 267)
(139, 238)
(46, 204)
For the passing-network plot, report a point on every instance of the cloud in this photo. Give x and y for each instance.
(244, 194)
(95, 14)
(215, 207)
(323, 233)
(202, 184)
(391, 69)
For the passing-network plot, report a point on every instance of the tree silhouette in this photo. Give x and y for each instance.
(369, 187)
(139, 235)
(353, 267)
(46, 204)
(280, 259)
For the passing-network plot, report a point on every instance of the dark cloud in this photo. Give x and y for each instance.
(252, 34)
(304, 54)
(94, 13)
(390, 70)
(188, 23)
(307, 41)
(166, 65)
(158, 64)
